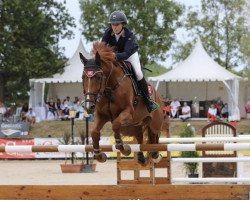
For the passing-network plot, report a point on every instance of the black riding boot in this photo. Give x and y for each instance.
(151, 104)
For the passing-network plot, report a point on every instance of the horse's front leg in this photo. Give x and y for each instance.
(154, 139)
(123, 119)
(96, 134)
(140, 156)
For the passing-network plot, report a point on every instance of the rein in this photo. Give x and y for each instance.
(118, 82)
(108, 90)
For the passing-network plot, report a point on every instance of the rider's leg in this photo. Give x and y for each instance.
(134, 60)
(151, 104)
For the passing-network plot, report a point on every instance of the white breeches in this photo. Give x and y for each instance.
(135, 62)
(174, 111)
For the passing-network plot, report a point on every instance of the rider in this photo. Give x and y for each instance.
(120, 37)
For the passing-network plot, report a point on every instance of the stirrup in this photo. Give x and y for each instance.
(153, 106)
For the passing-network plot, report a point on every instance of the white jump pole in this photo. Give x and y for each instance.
(209, 180)
(205, 139)
(133, 147)
(221, 159)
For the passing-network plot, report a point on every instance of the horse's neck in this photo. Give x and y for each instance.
(114, 76)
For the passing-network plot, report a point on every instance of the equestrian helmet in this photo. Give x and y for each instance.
(118, 17)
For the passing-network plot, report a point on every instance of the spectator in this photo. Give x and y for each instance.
(186, 112)
(247, 106)
(224, 111)
(81, 109)
(76, 107)
(23, 112)
(219, 104)
(167, 108)
(76, 100)
(212, 114)
(2, 111)
(2, 108)
(68, 102)
(8, 115)
(59, 107)
(175, 106)
(52, 110)
(30, 116)
(65, 112)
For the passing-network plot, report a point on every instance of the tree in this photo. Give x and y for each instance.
(221, 26)
(153, 23)
(245, 44)
(29, 35)
(155, 70)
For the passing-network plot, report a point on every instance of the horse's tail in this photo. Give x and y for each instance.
(157, 116)
(157, 98)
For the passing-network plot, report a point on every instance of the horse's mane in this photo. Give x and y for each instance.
(106, 53)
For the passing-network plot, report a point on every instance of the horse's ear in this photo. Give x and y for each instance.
(98, 59)
(83, 59)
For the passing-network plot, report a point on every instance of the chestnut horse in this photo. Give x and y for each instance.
(109, 94)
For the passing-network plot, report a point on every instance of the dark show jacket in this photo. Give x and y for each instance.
(126, 45)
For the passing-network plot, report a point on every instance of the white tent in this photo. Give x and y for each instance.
(200, 77)
(69, 83)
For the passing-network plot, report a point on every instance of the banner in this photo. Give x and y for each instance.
(14, 130)
(12, 142)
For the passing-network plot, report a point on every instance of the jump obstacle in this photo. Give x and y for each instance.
(163, 191)
(137, 191)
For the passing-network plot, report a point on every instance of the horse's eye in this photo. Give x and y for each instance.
(98, 78)
(83, 75)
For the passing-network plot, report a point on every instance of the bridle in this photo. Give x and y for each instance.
(91, 72)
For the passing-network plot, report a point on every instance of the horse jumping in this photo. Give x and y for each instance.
(110, 95)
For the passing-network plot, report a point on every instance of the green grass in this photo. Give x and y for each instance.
(57, 128)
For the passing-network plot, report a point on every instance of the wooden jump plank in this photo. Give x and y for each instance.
(131, 165)
(170, 192)
(141, 180)
(134, 165)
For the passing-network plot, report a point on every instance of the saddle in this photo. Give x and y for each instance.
(128, 69)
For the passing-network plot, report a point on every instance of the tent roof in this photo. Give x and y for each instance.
(72, 71)
(198, 66)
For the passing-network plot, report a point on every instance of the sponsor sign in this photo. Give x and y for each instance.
(14, 130)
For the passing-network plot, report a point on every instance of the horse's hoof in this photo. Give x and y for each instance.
(143, 163)
(119, 146)
(142, 160)
(100, 157)
(126, 150)
(158, 159)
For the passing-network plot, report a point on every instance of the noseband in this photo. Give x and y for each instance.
(91, 72)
